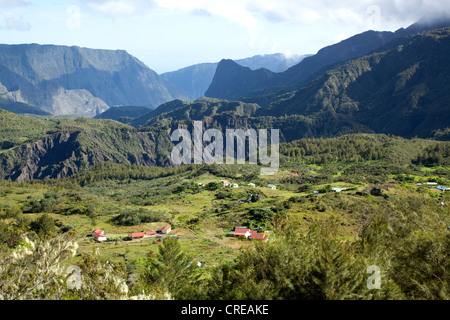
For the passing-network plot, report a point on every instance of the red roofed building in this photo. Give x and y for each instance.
(225, 183)
(150, 233)
(165, 230)
(259, 236)
(98, 231)
(138, 235)
(242, 232)
(100, 237)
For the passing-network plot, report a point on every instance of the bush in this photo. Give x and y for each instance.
(213, 186)
(261, 214)
(43, 226)
(137, 217)
(305, 188)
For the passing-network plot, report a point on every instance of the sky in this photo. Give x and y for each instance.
(171, 34)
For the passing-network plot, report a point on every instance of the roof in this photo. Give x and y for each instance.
(138, 235)
(225, 182)
(165, 228)
(98, 235)
(271, 185)
(239, 231)
(98, 231)
(259, 236)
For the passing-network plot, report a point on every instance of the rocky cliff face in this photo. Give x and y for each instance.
(73, 80)
(74, 146)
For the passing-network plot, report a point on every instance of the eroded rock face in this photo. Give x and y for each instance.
(65, 154)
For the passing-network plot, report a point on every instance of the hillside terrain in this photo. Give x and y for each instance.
(402, 91)
(38, 149)
(123, 114)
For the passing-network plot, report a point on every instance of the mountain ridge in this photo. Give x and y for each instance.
(227, 82)
(58, 79)
(195, 79)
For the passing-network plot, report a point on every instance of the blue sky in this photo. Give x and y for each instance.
(170, 34)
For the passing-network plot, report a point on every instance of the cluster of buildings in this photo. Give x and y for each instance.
(226, 183)
(434, 184)
(241, 232)
(100, 235)
(148, 234)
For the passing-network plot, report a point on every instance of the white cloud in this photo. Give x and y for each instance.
(113, 8)
(253, 14)
(19, 24)
(13, 3)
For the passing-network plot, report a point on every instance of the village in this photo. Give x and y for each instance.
(243, 232)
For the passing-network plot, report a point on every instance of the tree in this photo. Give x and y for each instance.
(43, 226)
(171, 270)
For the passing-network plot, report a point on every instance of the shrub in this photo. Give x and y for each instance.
(137, 217)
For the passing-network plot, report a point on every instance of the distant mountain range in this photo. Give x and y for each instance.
(195, 80)
(403, 89)
(72, 80)
(63, 80)
(398, 83)
(232, 81)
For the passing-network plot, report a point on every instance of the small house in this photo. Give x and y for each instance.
(225, 183)
(252, 185)
(271, 186)
(338, 190)
(138, 235)
(100, 237)
(259, 236)
(235, 186)
(98, 231)
(165, 230)
(241, 232)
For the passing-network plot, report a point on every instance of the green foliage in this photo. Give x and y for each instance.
(347, 149)
(212, 186)
(435, 155)
(171, 269)
(138, 216)
(43, 226)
